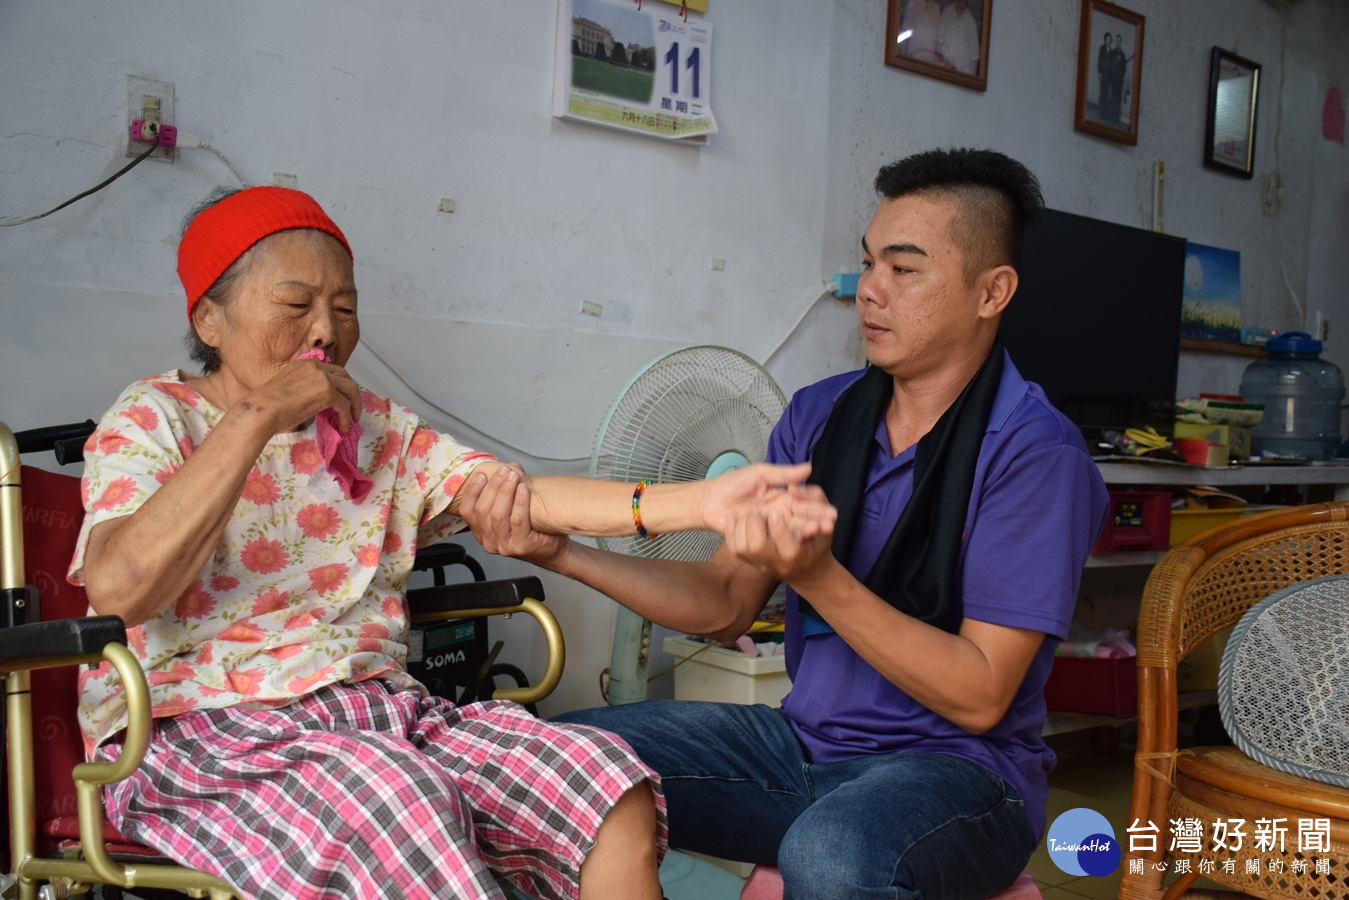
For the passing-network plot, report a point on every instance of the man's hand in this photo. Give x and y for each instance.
(760, 490)
(773, 544)
(496, 507)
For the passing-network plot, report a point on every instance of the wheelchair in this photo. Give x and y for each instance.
(59, 842)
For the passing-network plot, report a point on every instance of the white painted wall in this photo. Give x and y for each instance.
(382, 109)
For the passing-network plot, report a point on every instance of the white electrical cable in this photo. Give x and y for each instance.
(453, 418)
(192, 142)
(1302, 315)
(828, 290)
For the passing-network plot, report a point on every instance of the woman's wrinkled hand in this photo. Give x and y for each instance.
(496, 508)
(300, 390)
(761, 490)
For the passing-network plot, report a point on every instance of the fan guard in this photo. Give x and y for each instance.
(690, 414)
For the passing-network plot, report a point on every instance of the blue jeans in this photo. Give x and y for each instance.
(902, 825)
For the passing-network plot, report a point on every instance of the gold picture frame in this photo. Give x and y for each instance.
(1109, 71)
(946, 39)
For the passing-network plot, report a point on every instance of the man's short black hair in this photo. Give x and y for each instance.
(996, 195)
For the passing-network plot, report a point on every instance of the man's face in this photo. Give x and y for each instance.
(1119, 39)
(1107, 40)
(915, 309)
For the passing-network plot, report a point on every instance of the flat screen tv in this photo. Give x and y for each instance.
(1095, 321)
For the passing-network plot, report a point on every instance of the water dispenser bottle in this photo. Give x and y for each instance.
(1301, 393)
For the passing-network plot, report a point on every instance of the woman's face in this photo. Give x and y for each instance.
(295, 294)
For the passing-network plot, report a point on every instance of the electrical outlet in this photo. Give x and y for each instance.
(1273, 195)
(845, 285)
(148, 102)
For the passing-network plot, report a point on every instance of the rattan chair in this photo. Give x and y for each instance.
(1198, 588)
(59, 842)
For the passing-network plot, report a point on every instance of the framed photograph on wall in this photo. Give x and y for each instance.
(1229, 135)
(946, 39)
(1109, 69)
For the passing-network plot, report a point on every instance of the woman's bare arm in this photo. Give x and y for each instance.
(567, 504)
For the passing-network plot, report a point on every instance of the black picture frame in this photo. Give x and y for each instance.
(1233, 100)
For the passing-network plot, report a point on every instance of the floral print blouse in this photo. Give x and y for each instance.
(306, 587)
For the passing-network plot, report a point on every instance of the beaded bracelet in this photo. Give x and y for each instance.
(637, 510)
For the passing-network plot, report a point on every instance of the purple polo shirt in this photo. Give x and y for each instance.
(1037, 507)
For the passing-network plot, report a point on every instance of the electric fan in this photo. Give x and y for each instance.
(690, 414)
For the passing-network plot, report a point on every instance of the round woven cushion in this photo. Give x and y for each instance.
(1283, 683)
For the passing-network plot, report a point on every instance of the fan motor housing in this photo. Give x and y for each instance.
(726, 462)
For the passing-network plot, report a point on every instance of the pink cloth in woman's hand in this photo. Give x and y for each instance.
(339, 451)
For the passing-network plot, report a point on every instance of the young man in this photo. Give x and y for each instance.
(907, 760)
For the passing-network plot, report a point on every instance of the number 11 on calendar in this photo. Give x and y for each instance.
(684, 50)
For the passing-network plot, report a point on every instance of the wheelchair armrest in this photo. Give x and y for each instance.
(35, 440)
(474, 595)
(40, 645)
(471, 599)
(432, 556)
(66, 441)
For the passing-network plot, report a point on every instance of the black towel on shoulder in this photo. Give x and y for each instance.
(916, 570)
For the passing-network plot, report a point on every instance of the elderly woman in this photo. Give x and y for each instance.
(255, 528)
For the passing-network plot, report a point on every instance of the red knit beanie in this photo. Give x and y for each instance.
(224, 232)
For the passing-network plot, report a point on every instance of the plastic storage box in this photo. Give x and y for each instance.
(1139, 520)
(1186, 523)
(1086, 684)
(1237, 440)
(726, 676)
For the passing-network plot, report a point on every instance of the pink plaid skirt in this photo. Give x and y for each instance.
(367, 791)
